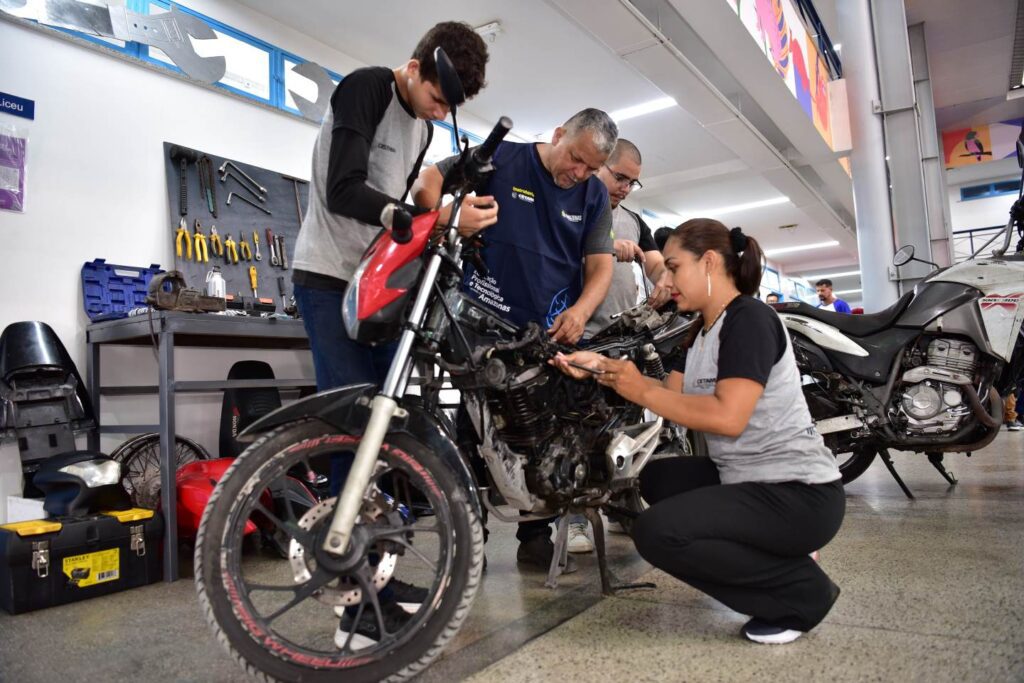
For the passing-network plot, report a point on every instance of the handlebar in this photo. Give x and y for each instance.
(483, 154)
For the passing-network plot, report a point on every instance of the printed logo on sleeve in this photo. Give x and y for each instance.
(386, 147)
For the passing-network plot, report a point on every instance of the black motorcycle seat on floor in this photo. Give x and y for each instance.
(853, 325)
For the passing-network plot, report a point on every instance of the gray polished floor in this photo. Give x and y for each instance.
(933, 590)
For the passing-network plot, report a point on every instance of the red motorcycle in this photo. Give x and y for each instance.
(407, 505)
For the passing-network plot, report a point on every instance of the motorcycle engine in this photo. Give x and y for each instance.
(929, 404)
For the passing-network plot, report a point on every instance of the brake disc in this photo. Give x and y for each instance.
(347, 591)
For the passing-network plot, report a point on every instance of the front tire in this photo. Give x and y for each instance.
(271, 650)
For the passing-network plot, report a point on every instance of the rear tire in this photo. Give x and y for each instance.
(225, 595)
(856, 464)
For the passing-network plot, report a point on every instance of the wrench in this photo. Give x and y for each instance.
(275, 260)
(256, 243)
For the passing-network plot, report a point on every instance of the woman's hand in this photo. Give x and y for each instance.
(624, 377)
(586, 359)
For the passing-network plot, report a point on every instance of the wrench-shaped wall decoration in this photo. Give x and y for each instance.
(314, 111)
(168, 31)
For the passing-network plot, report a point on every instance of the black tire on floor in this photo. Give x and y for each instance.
(267, 658)
(856, 464)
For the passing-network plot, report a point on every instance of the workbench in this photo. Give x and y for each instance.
(168, 330)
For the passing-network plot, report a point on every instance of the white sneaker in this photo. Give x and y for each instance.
(579, 538)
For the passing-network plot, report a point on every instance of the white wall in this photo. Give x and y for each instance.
(978, 213)
(97, 189)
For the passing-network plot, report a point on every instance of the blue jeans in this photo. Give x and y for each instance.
(337, 359)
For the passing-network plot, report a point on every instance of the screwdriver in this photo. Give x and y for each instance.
(280, 288)
(252, 281)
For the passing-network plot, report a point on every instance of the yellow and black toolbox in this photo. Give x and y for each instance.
(47, 562)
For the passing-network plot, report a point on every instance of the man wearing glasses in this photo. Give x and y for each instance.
(633, 241)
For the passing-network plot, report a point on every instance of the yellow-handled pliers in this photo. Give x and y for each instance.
(182, 235)
(216, 246)
(246, 250)
(230, 252)
(202, 253)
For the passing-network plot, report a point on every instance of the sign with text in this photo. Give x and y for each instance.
(17, 106)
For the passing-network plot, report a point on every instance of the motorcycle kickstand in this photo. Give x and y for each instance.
(884, 453)
(935, 458)
(609, 582)
(560, 556)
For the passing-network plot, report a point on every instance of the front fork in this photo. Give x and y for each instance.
(382, 409)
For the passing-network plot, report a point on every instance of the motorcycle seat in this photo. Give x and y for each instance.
(853, 325)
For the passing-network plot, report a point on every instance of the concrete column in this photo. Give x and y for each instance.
(867, 158)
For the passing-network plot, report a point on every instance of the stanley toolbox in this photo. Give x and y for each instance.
(49, 562)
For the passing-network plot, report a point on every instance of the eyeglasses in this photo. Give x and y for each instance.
(631, 183)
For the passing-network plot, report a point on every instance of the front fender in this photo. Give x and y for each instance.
(342, 409)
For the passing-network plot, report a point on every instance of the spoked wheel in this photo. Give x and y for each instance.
(318, 616)
(140, 465)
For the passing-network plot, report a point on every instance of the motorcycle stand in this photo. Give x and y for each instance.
(561, 555)
(609, 583)
(935, 459)
(884, 453)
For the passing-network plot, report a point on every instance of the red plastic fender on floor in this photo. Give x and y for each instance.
(195, 482)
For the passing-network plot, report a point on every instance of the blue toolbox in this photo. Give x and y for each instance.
(110, 291)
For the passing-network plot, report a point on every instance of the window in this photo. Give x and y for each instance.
(302, 86)
(442, 144)
(989, 190)
(254, 68)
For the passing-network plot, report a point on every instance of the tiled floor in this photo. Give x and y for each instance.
(933, 590)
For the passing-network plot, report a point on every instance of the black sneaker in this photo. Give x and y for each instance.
(367, 631)
(769, 634)
(537, 553)
(408, 596)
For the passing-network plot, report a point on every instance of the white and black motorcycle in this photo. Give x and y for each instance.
(926, 374)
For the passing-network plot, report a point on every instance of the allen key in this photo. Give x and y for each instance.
(247, 201)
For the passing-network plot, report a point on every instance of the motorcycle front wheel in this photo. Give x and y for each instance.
(302, 618)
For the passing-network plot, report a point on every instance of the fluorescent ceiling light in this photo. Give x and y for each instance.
(848, 291)
(802, 247)
(739, 207)
(621, 115)
(825, 276)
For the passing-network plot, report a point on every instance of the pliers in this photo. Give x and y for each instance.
(216, 246)
(246, 251)
(182, 235)
(230, 252)
(202, 253)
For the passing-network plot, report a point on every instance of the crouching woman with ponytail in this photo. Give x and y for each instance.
(738, 525)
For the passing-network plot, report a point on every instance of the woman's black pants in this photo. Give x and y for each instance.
(746, 545)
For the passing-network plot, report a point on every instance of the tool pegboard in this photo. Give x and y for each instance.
(261, 200)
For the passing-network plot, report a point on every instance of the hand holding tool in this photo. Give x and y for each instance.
(243, 247)
(202, 253)
(256, 242)
(230, 252)
(252, 281)
(179, 236)
(274, 258)
(216, 246)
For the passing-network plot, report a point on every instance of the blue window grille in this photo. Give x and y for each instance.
(989, 190)
(278, 61)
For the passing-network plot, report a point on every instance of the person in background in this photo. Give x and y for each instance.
(633, 242)
(660, 236)
(829, 302)
(772, 298)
